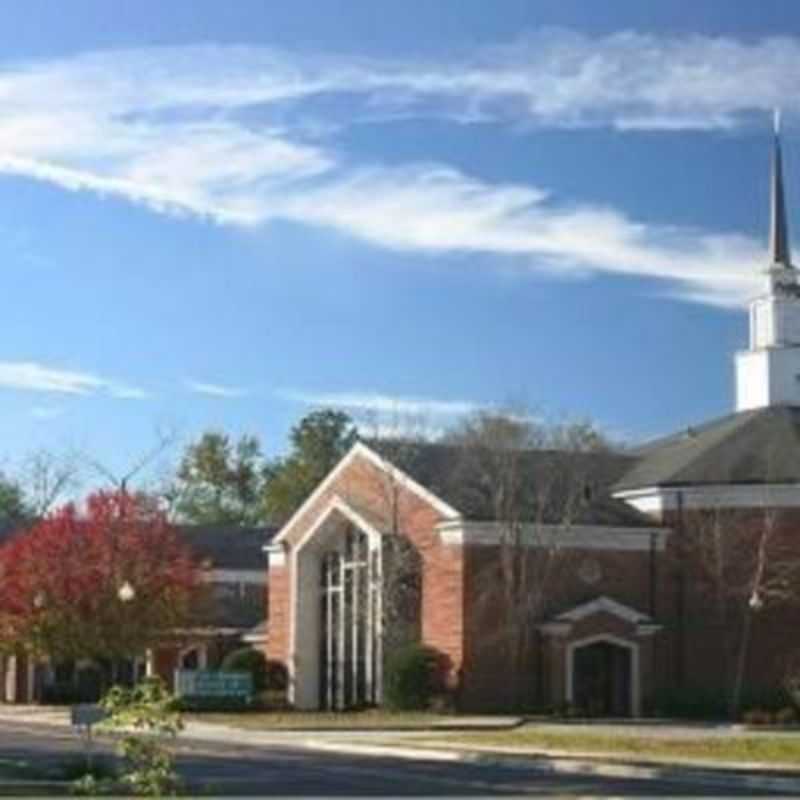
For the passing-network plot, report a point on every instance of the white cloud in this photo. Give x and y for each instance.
(223, 133)
(46, 412)
(383, 404)
(214, 389)
(30, 376)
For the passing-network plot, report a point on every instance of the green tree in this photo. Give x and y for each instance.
(318, 442)
(13, 504)
(220, 481)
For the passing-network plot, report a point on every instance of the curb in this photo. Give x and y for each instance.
(557, 764)
(542, 761)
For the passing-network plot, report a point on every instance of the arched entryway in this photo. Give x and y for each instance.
(603, 677)
(336, 625)
(350, 598)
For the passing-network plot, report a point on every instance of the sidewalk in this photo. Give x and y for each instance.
(433, 745)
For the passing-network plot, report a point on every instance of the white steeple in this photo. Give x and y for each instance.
(768, 373)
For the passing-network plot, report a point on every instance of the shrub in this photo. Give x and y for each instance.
(272, 700)
(248, 659)
(277, 677)
(757, 716)
(786, 716)
(689, 703)
(412, 677)
(213, 703)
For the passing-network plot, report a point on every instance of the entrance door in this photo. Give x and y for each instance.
(601, 679)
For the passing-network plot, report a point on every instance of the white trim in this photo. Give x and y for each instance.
(276, 555)
(336, 503)
(256, 637)
(607, 605)
(556, 628)
(405, 480)
(657, 499)
(360, 449)
(633, 647)
(252, 576)
(583, 537)
(648, 628)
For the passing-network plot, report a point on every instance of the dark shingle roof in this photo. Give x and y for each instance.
(573, 485)
(228, 546)
(750, 447)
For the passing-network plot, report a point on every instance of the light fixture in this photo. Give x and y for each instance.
(126, 592)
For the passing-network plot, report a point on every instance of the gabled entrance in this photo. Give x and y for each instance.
(598, 659)
(602, 671)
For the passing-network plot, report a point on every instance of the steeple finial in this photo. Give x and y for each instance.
(779, 229)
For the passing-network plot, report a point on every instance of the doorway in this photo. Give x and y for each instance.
(602, 678)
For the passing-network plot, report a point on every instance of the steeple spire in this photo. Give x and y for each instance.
(779, 230)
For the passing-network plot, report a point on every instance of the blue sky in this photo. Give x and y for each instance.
(226, 214)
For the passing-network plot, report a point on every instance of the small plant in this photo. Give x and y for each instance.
(147, 718)
(413, 677)
(248, 659)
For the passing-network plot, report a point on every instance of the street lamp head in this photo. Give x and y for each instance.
(755, 602)
(126, 592)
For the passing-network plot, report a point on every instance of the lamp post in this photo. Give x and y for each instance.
(126, 594)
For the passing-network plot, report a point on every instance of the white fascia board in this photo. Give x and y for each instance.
(713, 496)
(337, 504)
(276, 554)
(256, 638)
(607, 605)
(407, 482)
(578, 537)
(314, 496)
(404, 480)
(253, 576)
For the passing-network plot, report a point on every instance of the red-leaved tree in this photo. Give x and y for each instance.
(102, 582)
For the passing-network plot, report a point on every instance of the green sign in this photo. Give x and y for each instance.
(213, 683)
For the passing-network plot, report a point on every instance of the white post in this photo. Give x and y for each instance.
(149, 664)
(368, 629)
(329, 600)
(11, 680)
(341, 643)
(354, 624)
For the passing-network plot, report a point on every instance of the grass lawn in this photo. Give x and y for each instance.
(316, 720)
(784, 750)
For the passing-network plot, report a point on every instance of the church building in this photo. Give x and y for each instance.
(602, 582)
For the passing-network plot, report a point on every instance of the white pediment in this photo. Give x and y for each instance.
(606, 605)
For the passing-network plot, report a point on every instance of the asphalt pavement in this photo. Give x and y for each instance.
(235, 769)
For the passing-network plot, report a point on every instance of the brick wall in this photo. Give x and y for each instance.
(701, 640)
(394, 509)
(490, 677)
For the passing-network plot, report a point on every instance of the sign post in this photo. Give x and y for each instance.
(84, 716)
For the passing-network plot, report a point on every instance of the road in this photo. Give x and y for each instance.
(232, 769)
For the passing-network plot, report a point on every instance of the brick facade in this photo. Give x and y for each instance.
(460, 611)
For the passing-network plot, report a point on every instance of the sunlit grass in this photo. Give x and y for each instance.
(766, 748)
(371, 718)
